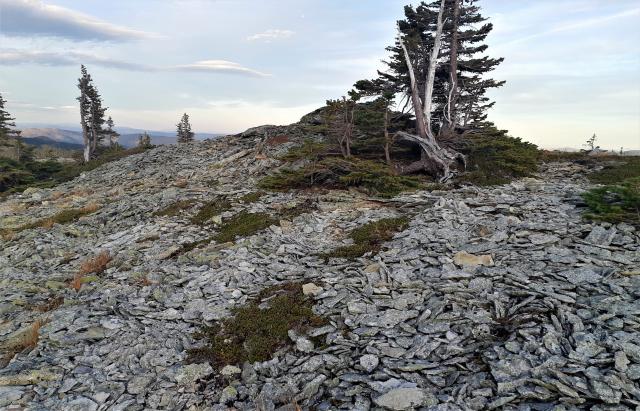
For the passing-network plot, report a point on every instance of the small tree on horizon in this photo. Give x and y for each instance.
(91, 114)
(184, 133)
(112, 133)
(7, 124)
(144, 141)
(591, 142)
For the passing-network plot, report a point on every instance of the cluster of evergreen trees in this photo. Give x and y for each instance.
(438, 67)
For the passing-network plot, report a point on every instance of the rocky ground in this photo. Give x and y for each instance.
(493, 298)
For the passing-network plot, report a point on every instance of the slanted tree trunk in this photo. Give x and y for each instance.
(434, 159)
(415, 96)
(451, 114)
(431, 74)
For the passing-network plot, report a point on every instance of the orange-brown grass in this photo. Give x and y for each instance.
(144, 281)
(51, 304)
(96, 264)
(182, 183)
(32, 336)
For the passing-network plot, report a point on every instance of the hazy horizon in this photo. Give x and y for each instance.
(572, 69)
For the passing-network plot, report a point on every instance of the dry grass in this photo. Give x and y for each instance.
(27, 342)
(95, 265)
(144, 281)
(51, 304)
(181, 183)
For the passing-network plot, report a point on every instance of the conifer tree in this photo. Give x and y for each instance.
(112, 133)
(91, 114)
(383, 93)
(460, 87)
(184, 133)
(144, 141)
(7, 124)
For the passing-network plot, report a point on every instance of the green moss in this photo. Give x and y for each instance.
(371, 177)
(369, 238)
(175, 208)
(243, 224)
(254, 333)
(210, 210)
(251, 197)
(494, 158)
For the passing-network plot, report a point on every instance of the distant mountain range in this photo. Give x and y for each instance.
(72, 138)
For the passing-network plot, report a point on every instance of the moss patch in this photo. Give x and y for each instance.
(252, 197)
(63, 217)
(370, 237)
(175, 208)
(254, 333)
(210, 210)
(243, 224)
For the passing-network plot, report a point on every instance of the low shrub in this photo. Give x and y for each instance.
(617, 170)
(494, 158)
(243, 224)
(62, 217)
(371, 177)
(255, 332)
(369, 238)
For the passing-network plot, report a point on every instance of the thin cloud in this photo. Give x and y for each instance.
(12, 57)
(270, 35)
(221, 66)
(33, 18)
(575, 26)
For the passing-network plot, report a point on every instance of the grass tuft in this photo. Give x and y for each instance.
(369, 238)
(255, 332)
(210, 210)
(175, 208)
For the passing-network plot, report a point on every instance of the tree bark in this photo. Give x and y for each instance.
(431, 74)
(387, 137)
(437, 160)
(415, 96)
(85, 132)
(453, 68)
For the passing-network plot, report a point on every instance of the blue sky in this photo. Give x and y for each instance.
(572, 67)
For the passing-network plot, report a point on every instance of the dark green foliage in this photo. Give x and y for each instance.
(16, 176)
(255, 334)
(619, 200)
(494, 158)
(310, 150)
(243, 224)
(210, 210)
(374, 178)
(175, 208)
(370, 237)
(7, 125)
(615, 203)
(617, 171)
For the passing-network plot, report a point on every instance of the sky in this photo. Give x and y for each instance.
(572, 67)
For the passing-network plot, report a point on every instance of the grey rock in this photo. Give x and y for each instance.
(405, 399)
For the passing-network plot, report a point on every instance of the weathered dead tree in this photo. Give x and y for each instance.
(434, 159)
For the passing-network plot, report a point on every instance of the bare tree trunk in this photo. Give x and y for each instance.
(451, 115)
(436, 160)
(387, 137)
(85, 132)
(415, 95)
(431, 74)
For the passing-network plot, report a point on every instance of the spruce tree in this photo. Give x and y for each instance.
(91, 114)
(111, 133)
(7, 124)
(184, 133)
(144, 141)
(460, 86)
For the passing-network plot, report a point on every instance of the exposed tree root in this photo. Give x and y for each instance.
(435, 160)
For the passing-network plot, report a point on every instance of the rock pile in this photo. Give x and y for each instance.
(493, 298)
